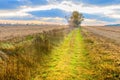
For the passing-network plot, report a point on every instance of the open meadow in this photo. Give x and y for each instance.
(9, 32)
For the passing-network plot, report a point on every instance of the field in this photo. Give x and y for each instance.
(59, 53)
(102, 44)
(9, 32)
(112, 33)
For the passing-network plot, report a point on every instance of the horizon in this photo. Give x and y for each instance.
(98, 12)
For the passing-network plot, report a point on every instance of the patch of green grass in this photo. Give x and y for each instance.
(68, 60)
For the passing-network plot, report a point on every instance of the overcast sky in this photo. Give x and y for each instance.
(96, 12)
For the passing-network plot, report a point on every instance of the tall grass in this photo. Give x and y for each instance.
(25, 57)
(103, 56)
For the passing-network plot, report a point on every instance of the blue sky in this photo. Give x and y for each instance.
(96, 12)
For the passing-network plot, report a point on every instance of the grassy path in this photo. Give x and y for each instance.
(67, 61)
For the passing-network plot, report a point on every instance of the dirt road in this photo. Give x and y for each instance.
(9, 32)
(112, 33)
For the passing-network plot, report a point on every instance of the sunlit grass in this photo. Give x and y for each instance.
(103, 55)
(25, 58)
(68, 61)
(53, 56)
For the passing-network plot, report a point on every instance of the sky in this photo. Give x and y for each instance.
(95, 12)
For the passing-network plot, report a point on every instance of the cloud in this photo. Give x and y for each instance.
(110, 11)
(69, 6)
(92, 22)
(115, 15)
(53, 20)
(14, 14)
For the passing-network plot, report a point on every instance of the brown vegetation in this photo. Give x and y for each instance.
(10, 32)
(112, 33)
(24, 58)
(103, 55)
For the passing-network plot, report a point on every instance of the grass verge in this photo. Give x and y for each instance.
(103, 55)
(20, 59)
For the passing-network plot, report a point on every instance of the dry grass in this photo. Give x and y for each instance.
(112, 33)
(31, 58)
(104, 57)
(25, 57)
(10, 32)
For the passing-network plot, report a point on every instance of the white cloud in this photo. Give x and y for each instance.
(69, 6)
(114, 15)
(49, 18)
(91, 22)
(38, 8)
(52, 1)
(14, 14)
(53, 20)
